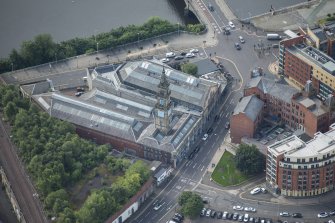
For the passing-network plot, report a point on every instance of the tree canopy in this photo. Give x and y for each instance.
(249, 159)
(191, 204)
(189, 68)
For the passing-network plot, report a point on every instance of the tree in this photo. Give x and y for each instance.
(191, 204)
(189, 68)
(249, 159)
(10, 111)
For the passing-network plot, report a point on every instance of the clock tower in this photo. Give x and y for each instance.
(163, 105)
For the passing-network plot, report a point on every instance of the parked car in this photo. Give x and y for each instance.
(165, 60)
(219, 215)
(227, 125)
(205, 137)
(323, 215)
(264, 191)
(250, 209)
(251, 220)
(213, 214)
(237, 46)
(210, 7)
(297, 215)
(183, 53)
(246, 218)
(170, 55)
(332, 213)
(208, 212)
(225, 215)
(231, 24)
(190, 55)
(203, 212)
(179, 58)
(284, 214)
(330, 221)
(177, 219)
(257, 220)
(240, 218)
(238, 208)
(179, 215)
(194, 51)
(255, 190)
(241, 39)
(235, 216)
(79, 93)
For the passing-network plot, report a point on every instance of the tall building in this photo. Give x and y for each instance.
(298, 169)
(301, 63)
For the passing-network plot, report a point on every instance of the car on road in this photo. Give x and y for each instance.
(227, 125)
(79, 93)
(264, 191)
(226, 30)
(249, 209)
(255, 190)
(194, 51)
(323, 215)
(197, 149)
(231, 24)
(191, 155)
(158, 206)
(203, 212)
(165, 60)
(210, 7)
(238, 208)
(297, 215)
(179, 58)
(210, 130)
(237, 46)
(284, 214)
(332, 213)
(170, 55)
(241, 39)
(190, 55)
(205, 137)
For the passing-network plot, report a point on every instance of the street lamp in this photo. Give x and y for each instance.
(97, 47)
(138, 38)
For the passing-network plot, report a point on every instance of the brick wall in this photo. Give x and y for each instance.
(241, 126)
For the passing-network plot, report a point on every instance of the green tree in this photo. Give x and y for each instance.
(10, 111)
(191, 204)
(189, 68)
(249, 159)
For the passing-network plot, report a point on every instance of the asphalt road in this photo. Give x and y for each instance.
(22, 187)
(190, 176)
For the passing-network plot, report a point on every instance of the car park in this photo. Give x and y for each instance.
(170, 55)
(205, 137)
(190, 55)
(231, 24)
(165, 60)
(250, 209)
(297, 215)
(238, 208)
(323, 215)
(241, 39)
(237, 46)
(284, 214)
(194, 51)
(255, 190)
(219, 215)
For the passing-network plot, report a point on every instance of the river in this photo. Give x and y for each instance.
(65, 19)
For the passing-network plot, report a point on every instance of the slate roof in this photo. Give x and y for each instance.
(251, 106)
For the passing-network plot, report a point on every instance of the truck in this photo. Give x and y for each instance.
(273, 36)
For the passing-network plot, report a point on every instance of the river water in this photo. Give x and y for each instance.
(65, 19)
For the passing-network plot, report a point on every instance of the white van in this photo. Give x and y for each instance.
(170, 55)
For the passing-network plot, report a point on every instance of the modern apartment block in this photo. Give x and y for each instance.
(298, 169)
(301, 63)
(296, 109)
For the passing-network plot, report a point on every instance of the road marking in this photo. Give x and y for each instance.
(202, 168)
(194, 165)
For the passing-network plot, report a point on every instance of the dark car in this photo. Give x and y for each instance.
(179, 215)
(297, 215)
(237, 46)
(179, 58)
(210, 130)
(229, 215)
(176, 219)
(235, 216)
(183, 53)
(226, 30)
(191, 156)
(219, 215)
(196, 149)
(213, 214)
(257, 220)
(227, 125)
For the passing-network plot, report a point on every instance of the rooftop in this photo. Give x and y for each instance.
(251, 106)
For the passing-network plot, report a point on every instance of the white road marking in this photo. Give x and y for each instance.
(194, 165)
(202, 168)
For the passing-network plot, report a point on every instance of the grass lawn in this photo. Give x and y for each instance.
(225, 172)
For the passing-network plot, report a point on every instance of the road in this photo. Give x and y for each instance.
(22, 187)
(191, 174)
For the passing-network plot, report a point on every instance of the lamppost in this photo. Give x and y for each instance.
(97, 47)
(138, 38)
